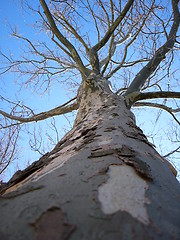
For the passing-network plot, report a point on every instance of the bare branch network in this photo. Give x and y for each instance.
(131, 44)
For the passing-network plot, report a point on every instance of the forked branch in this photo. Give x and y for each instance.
(159, 55)
(113, 27)
(62, 39)
(177, 150)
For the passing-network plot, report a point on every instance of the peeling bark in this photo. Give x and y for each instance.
(103, 177)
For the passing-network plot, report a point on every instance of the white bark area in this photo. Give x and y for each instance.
(124, 191)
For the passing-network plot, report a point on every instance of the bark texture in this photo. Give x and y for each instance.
(103, 181)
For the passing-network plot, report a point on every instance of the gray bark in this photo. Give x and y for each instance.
(103, 180)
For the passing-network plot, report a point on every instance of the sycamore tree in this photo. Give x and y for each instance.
(103, 179)
(45, 63)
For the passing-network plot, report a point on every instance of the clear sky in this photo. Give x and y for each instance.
(12, 14)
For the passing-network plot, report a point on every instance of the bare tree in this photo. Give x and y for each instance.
(104, 179)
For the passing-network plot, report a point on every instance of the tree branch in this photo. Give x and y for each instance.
(112, 49)
(95, 20)
(160, 54)
(73, 31)
(8, 147)
(111, 30)
(44, 115)
(152, 95)
(62, 39)
(172, 152)
(161, 106)
(128, 45)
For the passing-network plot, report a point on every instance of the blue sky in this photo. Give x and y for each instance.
(12, 13)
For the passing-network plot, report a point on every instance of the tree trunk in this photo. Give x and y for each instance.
(103, 180)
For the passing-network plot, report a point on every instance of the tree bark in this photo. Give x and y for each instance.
(103, 180)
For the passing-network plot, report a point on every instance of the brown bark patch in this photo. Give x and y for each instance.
(142, 168)
(107, 149)
(52, 225)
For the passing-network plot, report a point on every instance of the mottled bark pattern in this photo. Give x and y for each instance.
(102, 181)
